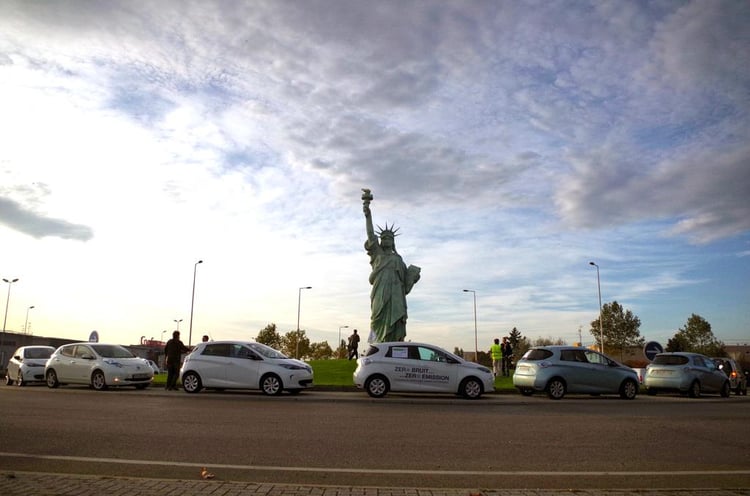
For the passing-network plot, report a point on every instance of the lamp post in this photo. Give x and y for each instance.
(5, 319)
(299, 301)
(178, 323)
(26, 324)
(338, 345)
(192, 302)
(476, 345)
(599, 287)
(162, 335)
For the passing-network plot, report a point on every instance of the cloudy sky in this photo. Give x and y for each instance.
(512, 142)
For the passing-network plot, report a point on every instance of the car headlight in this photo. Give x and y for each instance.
(292, 366)
(485, 370)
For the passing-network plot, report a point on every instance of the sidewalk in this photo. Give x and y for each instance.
(45, 484)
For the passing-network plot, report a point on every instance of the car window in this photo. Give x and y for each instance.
(537, 354)
(573, 356)
(430, 355)
(240, 351)
(371, 350)
(111, 351)
(68, 351)
(82, 351)
(217, 349)
(399, 352)
(266, 351)
(37, 352)
(594, 357)
(670, 360)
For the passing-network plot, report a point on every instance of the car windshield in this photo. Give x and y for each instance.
(266, 351)
(537, 354)
(111, 351)
(38, 352)
(670, 360)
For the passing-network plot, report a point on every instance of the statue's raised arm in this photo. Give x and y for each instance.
(366, 199)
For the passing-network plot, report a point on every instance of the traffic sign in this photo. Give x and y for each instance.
(652, 349)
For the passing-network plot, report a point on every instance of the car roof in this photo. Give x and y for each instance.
(35, 346)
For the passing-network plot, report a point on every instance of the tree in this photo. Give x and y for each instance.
(696, 337)
(320, 351)
(514, 337)
(342, 350)
(621, 329)
(270, 337)
(290, 347)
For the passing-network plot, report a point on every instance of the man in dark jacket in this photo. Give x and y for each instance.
(173, 352)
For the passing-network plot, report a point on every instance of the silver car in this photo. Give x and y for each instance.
(98, 365)
(418, 367)
(27, 365)
(685, 373)
(243, 365)
(557, 370)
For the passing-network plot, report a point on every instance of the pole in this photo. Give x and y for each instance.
(192, 302)
(26, 324)
(180, 320)
(601, 327)
(338, 345)
(476, 343)
(5, 320)
(299, 301)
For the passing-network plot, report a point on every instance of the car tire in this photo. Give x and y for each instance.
(8, 380)
(556, 388)
(526, 391)
(695, 390)
(98, 381)
(271, 385)
(51, 379)
(191, 382)
(377, 386)
(471, 388)
(629, 389)
(725, 390)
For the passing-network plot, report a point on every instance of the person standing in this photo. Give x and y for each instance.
(172, 354)
(353, 345)
(507, 350)
(496, 352)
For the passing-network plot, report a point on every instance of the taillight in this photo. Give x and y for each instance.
(733, 374)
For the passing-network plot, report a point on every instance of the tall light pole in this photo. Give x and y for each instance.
(2, 336)
(26, 324)
(192, 302)
(338, 345)
(476, 344)
(178, 323)
(299, 301)
(599, 287)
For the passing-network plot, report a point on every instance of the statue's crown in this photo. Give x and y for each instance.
(388, 232)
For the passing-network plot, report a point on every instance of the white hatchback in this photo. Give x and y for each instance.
(243, 365)
(98, 365)
(418, 367)
(27, 365)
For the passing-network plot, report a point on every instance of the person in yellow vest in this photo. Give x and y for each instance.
(496, 352)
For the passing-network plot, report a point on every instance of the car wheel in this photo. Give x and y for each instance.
(191, 382)
(628, 390)
(8, 380)
(725, 390)
(271, 385)
(526, 391)
(377, 386)
(556, 389)
(51, 377)
(98, 381)
(471, 388)
(695, 390)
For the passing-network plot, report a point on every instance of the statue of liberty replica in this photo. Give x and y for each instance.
(390, 278)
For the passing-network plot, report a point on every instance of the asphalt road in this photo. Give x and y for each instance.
(330, 438)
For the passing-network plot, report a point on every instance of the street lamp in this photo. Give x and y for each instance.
(299, 300)
(192, 302)
(26, 324)
(178, 323)
(162, 335)
(599, 287)
(2, 336)
(338, 345)
(476, 345)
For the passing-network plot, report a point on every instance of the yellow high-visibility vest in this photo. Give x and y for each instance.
(496, 351)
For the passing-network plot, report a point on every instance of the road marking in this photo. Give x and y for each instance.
(214, 466)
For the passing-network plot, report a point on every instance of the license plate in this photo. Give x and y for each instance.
(141, 376)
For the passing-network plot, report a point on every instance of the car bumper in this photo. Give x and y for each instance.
(667, 383)
(32, 374)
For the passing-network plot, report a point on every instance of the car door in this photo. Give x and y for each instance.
(711, 378)
(242, 367)
(62, 363)
(605, 376)
(436, 372)
(81, 364)
(211, 364)
(400, 365)
(577, 371)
